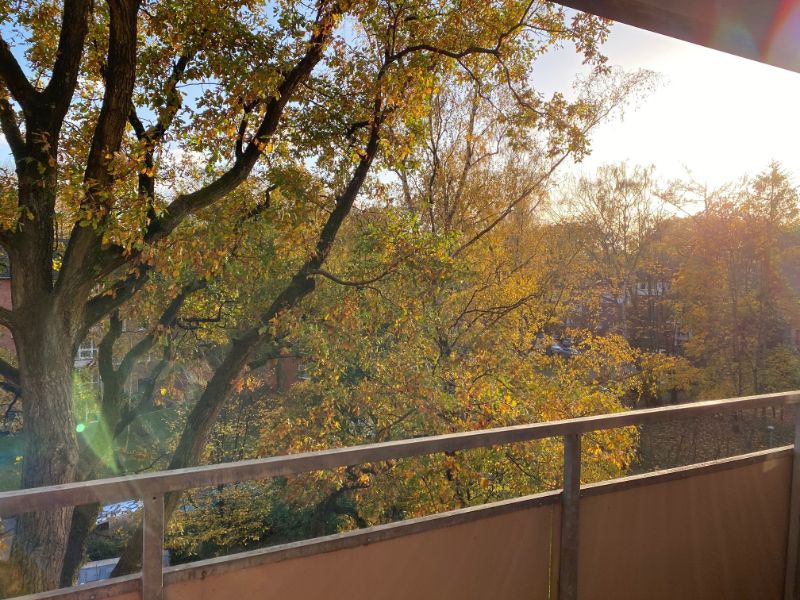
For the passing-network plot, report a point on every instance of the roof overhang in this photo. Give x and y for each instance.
(762, 30)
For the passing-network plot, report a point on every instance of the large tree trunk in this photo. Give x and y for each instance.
(45, 354)
(83, 523)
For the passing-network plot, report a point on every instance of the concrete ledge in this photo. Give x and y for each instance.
(99, 590)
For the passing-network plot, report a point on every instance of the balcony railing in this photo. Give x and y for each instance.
(151, 487)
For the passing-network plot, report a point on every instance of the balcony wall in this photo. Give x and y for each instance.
(716, 530)
(500, 556)
(719, 533)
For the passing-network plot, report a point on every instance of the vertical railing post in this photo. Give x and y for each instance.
(791, 590)
(570, 502)
(153, 548)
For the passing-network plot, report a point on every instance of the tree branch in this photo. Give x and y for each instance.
(10, 127)
(9, 373)
(154, 135)
(116, 414)
(136, 123)
(239, 148)
(187, 204)
(459, 54)
(115, 296)
(7, 317)
(119, 79)
(260, 207)
(512, 205)
(105, 359)
(17, 83)
(145, 395)
(351, 283)
(74, 27)
(300, 286)
(167, 319)
(174, 100)
(205, 411)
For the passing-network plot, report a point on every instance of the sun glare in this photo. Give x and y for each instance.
(714, 115)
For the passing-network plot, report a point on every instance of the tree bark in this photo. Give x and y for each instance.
(83, 522)
(45, 353)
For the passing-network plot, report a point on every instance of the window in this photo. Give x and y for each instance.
(87, 352)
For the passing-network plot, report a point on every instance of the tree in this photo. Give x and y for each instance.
(732, 292)
(400, 300)
(448, 335)
(116, 159)
(620, 213)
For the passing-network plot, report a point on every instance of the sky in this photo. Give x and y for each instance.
(714, 117)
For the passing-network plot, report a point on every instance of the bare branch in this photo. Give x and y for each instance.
(10, 127)
(526, 193)
(356, 283)
(17, 83)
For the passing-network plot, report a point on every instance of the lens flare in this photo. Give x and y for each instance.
(783, 42)
(730, 34)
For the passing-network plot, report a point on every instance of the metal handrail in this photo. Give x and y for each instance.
(151, 487)
(116, 489)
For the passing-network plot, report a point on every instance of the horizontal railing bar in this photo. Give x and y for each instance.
(138, 486)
